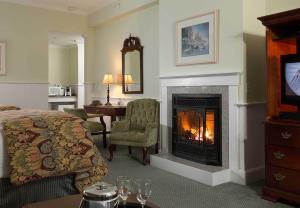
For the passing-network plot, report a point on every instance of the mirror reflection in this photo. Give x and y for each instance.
(132, 71)
(132, 66)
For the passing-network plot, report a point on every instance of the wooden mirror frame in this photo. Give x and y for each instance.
(132, 44)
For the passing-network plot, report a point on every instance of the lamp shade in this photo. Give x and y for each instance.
(108, 79)
(128, 79)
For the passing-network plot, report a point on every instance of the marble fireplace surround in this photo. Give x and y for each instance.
(227, 86)
(223, 90)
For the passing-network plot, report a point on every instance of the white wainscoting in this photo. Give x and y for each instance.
(24, 95)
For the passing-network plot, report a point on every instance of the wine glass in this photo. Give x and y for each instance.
(143, 187)
(124, 186)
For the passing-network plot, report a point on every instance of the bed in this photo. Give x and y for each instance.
(25, 177)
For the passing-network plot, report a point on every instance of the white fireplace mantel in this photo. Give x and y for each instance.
(224, 79)
(235, 171)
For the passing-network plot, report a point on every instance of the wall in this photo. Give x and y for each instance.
(109, 41)
(275, 6)
(63, 63)
(254, 51)
(242, 51)
(26, 29)
(230, 35)
(73, 52)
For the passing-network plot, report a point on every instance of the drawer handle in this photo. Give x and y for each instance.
(286, 135)
(278, 155)
(278, 176)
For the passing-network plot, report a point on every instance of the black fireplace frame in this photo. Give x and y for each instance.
(203, 153)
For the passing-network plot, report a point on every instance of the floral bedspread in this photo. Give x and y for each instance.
(8, 107)
(49, 143)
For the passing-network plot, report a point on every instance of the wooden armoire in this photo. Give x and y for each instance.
(282, 133)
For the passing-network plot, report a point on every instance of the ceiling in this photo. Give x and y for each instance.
(74, 6)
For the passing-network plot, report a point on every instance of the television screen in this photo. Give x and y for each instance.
(290, 79)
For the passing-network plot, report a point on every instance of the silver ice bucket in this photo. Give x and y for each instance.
(100, 195)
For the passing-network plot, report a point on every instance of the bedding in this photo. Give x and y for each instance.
(3, 157)
(43, 144)
(8, 107)
(3, 152)
(53, 187)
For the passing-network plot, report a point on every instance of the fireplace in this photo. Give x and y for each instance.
(196, 132)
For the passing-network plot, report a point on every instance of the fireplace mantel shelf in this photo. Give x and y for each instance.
(224, 79)
(200, 75)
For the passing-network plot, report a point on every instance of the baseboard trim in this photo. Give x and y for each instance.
(249, 176)
(203, 176)
(255, 174)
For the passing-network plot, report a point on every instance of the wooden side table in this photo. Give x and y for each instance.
(112, 111)
(73, 201)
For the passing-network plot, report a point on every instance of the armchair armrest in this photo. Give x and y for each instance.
(152, 133)
(119, 126)
(92, 115)
(151, 126)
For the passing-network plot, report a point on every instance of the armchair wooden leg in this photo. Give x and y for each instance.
(129, 150)
(156, 148)
(145, 154)
(111, 151)
(104, 139)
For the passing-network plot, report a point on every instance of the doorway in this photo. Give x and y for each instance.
(66, 70)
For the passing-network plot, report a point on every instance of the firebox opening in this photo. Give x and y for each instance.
(196, 128)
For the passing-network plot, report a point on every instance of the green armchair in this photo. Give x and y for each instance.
(140, 128)
(95, 128)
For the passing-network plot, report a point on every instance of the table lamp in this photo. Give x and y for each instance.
(107, 79)
(128, 80)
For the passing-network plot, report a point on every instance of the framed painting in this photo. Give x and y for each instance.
(197, 39)
(2, 58)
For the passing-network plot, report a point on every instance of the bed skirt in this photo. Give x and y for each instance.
(16, 196)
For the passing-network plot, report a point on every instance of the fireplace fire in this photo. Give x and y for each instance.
(196, 128)
(190, 125)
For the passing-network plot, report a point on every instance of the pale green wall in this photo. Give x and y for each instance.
(26, 29)
(63, 62)
(275, 6)
(253, 77)
(230, 35)
(59, 65)
(117, 9)
(73, 52)
(109, 41)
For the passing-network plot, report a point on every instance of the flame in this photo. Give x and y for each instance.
(189, 122)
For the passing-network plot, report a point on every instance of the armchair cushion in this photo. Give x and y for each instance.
(93, 127)
(79, 112)
(128, 136)
(120, 126)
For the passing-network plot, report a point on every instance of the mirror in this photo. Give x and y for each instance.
(132, 66)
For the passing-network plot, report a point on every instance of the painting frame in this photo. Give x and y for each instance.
(2, 57)
(197, 39)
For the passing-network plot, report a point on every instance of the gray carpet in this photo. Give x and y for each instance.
(173, 191)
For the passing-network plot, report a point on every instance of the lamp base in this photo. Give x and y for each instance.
(108, 103)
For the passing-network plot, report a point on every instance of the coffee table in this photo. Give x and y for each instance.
(73, 201)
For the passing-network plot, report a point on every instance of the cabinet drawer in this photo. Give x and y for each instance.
(282, 135)
(282, 178)
(284, 157)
